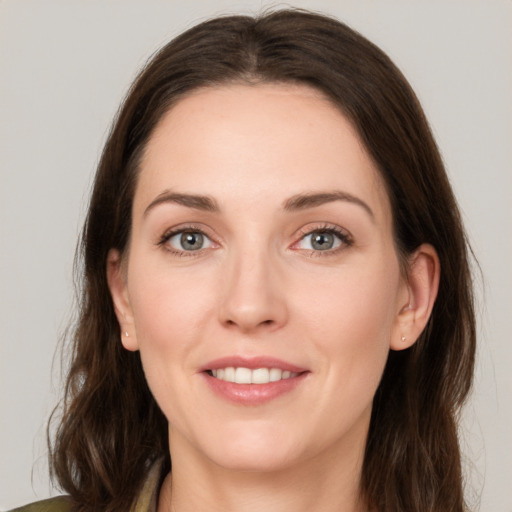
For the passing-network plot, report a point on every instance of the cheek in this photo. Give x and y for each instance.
(350, 301)
(171, 311)
(170, 307)
(351, 319)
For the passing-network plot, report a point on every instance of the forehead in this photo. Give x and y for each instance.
(265, 140)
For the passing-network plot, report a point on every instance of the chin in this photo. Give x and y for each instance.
(254, 461)
(249, 449)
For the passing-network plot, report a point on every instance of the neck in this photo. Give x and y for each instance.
(327, 482)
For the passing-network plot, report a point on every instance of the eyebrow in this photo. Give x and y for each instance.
(294, 203)
(198, 202)
(311, 200)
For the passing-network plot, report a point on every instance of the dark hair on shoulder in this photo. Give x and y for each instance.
(111, 429)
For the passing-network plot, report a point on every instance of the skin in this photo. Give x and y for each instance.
(258, 287)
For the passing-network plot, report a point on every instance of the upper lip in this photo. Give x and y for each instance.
(252, 363)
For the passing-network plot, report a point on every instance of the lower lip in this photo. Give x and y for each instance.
(253, 394)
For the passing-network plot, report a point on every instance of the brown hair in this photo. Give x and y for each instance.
(112, 429)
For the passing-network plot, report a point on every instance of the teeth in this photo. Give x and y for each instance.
(248, 376)
(229, 374)
(275, 374)
(260, 376)
(243, 376)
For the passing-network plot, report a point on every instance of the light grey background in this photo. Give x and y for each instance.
(64, 67)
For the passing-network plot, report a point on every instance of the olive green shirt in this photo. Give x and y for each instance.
(146, 501)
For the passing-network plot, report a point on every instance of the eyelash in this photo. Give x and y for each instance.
(181, 230)
(345, 239)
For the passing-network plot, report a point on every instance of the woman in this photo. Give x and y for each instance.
(276, 292)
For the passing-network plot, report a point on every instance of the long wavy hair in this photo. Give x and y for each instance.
(109, 429)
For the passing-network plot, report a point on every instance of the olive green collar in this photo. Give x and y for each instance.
(148, 497)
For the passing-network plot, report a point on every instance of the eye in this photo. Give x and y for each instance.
(188, 241)
(323, 240)
(320, 241)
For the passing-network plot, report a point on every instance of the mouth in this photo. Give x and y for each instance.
(241, 375)
(252, 381)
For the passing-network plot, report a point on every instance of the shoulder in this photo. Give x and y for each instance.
(59, 504)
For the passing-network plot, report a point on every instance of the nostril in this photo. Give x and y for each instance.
(264, 323)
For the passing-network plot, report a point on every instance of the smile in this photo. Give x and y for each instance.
(252, 381)
(242, 375)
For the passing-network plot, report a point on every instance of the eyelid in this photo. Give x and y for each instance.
(186, 228)
(205, 239)
(342, 234)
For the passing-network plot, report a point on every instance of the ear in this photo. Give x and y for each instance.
(418, 297)
(116, 278)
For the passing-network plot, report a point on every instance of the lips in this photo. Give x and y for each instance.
(252, 381)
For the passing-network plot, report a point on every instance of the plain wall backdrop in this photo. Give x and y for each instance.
(64, 67)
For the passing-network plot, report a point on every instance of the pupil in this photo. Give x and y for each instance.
(192, 241)
(322, 241)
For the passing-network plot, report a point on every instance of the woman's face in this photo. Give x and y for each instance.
(261, 251)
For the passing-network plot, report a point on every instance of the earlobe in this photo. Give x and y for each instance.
(422, 285)
(119, 293)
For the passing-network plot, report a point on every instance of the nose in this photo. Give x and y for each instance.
(253, 293)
